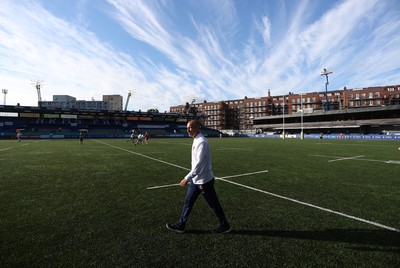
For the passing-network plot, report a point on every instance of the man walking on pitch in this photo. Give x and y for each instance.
(201, 180)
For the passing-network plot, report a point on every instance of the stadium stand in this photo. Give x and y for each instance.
(35, 122)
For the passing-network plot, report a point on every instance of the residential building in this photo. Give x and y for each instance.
(240, 114)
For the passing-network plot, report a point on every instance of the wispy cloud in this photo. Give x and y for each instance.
(198, 48)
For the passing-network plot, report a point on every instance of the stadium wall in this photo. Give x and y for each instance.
(351, 136)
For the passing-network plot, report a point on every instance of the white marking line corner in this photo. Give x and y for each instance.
(346, 158)
(217, 178)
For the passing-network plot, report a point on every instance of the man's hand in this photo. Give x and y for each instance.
(183, 182)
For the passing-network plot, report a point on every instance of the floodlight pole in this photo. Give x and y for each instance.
(5, 91)
(283, 118)
(38, 84)
(326, 73)
(302, 111)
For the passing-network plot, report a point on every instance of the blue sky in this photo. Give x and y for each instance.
(169, 51)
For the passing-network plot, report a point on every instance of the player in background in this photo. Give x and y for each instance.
(140, 139)
(80, 137)
(132, 137)
(146, 137)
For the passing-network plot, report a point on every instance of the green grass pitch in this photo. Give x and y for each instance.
(63, 204)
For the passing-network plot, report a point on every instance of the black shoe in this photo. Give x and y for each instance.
(175, 227)
(222, 230)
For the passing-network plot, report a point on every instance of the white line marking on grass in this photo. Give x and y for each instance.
(8, 148)
(265, 192)
(314, 206)
(163, 186)
(232, 176)
(245, 174)
(381, 161)
(393, 162)
(357, 159)
(143, 155)
(346, 158)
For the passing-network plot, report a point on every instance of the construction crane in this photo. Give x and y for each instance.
(127, 100)
(38, 85)
(189, 106)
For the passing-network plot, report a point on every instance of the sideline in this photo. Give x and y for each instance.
(264, 192)
(8, 148)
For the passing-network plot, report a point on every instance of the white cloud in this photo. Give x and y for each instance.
(213, 58)
(266, 30)
(68, 58)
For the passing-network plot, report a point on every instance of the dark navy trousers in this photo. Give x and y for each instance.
(210, 196)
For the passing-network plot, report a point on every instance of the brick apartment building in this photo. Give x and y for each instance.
(240, 113)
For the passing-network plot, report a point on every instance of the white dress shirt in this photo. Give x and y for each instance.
(201, 171)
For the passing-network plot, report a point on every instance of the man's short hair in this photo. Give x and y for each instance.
(195, 124)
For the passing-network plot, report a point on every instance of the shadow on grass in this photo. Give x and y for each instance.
(365, 240)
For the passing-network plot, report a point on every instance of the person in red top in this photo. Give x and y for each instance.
(146, 137)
